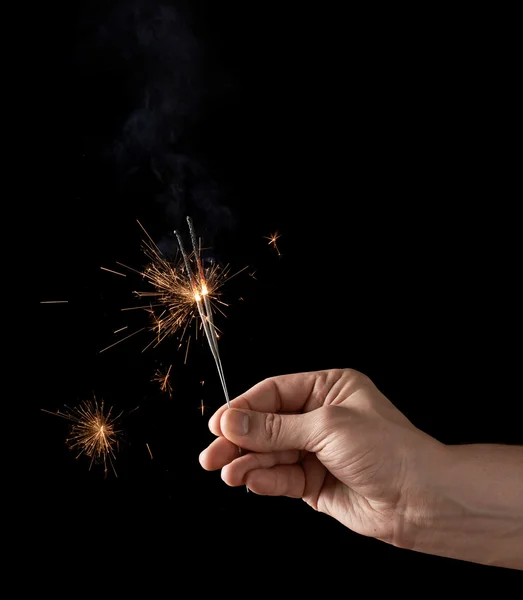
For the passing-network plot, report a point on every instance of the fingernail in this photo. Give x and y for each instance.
(238, 422)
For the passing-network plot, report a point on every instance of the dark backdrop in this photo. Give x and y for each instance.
(380, 146)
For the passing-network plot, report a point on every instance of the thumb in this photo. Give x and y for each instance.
(268, 432)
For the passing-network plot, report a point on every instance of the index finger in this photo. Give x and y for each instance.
(297, 392)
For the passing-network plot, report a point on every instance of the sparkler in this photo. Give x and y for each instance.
(181, 295)
(200, 293)
(93, 432)
(174, 301)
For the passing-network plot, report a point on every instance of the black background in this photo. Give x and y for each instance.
(380, 146)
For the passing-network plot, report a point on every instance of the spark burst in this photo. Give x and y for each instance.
(93, 432)
(176, 297)
(164, 380)
(273, 238)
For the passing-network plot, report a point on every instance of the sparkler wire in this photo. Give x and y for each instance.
(206, 327)
(206, 316)
(204, 294)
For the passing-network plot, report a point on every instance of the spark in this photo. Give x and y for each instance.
(93, 432)
(273, 237)
(173, 300)
(115, 272)
(123, 339)
(55, 302)
(164, 380)
(121, 329)
(150, 453)
(202, 407)
(187, 351)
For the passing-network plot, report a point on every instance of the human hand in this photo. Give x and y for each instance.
(329, 437)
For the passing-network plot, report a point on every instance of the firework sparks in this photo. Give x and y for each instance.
(93, 432)
(202, 407)
(176, 295)
(54, 302)
(164, 380)
(273, 238)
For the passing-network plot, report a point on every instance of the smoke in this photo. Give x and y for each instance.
(160, 78)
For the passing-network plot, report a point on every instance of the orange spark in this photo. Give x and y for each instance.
(164, 380)
(273, 237)
(150, 453)
(202, 407)
(111, 271)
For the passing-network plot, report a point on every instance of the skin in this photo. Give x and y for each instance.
(334, 440)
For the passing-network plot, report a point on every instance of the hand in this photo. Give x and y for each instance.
(329, 437)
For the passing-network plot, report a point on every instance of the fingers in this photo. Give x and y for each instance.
(218, 454)
(271, 474)
(222, 453)
(278, 481)
(285, 393)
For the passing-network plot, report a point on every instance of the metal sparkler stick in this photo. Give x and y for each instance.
(203, 316)
(203, 288)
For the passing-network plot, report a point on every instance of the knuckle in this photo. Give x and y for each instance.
(355, 376)
(267, 382)
(357, 379)
(325, 416)
(329, 417)
(273, 426)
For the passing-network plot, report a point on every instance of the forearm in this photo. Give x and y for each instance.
(468, 504)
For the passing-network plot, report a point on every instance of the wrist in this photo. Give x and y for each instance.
(465, 502)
